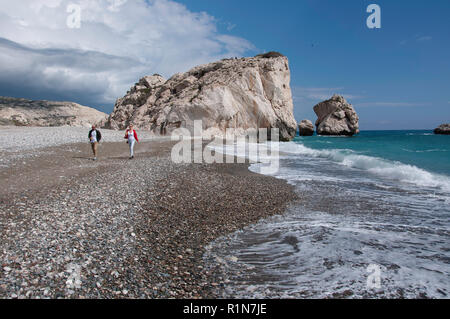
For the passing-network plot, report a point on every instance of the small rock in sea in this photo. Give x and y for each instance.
(306, 128)
(444, 129)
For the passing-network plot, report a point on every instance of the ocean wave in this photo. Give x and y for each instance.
(423, 134)
(424, 151)
(389, 169)
(392, 170)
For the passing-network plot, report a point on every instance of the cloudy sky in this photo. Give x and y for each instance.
(44, 54)
(397, 77)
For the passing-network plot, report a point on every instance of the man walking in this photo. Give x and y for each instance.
(94, 137)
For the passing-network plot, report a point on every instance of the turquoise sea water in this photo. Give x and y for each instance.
(419, 148)
(379, 200)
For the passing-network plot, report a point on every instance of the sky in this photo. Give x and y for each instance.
(396, 77)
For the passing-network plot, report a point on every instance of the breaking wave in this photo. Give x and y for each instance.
(388, 169)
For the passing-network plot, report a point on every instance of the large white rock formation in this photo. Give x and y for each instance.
(233, 93)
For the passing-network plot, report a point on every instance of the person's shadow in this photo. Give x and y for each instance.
(82, 157)
(110, 158)
(119, 158)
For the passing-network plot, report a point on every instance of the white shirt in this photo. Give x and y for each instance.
(131, 136)
(94, 136)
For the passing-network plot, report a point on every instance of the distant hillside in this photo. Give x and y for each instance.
(23, 112)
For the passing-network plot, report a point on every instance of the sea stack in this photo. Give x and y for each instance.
(444, 129)
(237, 94)
(306, 128)
(336, 117)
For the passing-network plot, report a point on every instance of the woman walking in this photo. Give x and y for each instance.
(132, 137)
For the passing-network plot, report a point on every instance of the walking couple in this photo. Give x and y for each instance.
(95, 137)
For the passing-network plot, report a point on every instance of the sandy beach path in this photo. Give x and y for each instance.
(115, 228)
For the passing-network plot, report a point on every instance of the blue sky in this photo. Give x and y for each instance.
(397, 77)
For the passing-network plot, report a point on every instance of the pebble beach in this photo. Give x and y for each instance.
(115, 228)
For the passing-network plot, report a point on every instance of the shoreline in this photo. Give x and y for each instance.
(75, 228)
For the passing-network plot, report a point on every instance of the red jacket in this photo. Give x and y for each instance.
(135, 135)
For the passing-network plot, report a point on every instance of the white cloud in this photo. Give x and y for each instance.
(424, 38)
(119, 41)
(417, 38)
(319, 94)
(392, 104)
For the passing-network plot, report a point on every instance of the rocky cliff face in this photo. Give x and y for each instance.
(232, 93)
(23, 112)
(444, 129)
(336, 117)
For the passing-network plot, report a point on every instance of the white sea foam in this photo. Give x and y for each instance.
(358, 210)
(388, 169)
(424, 134)
(391, 170)
(425, 151)
(315, 254)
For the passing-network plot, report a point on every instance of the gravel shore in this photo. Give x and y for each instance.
(18, 143)
(74, 228)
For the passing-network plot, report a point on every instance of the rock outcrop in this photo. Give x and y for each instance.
(444, 129)
(235, 94)
(23, 112)
(336, 117)
(306, 128)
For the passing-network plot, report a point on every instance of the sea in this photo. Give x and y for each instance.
(372, 221)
